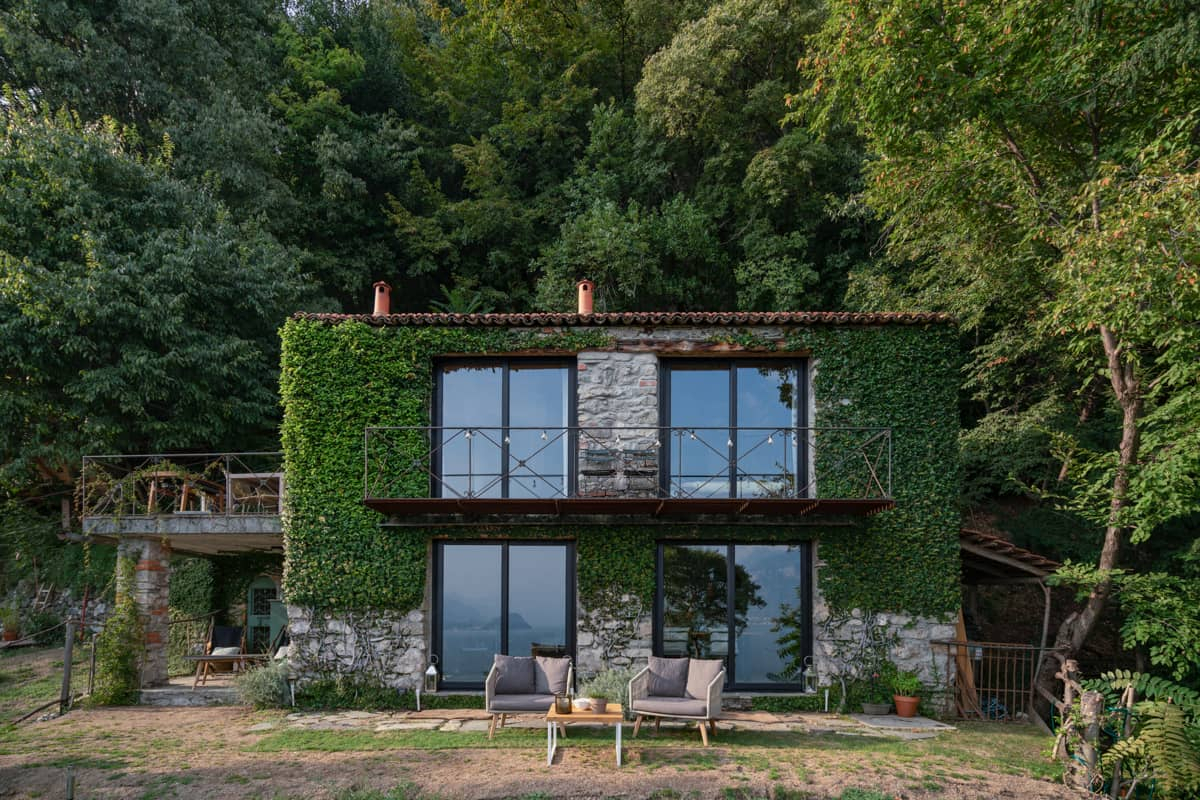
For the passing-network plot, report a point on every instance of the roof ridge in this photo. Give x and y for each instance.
(638, 318)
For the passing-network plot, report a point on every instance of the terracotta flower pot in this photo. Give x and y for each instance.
(906, 706)
(10, 636)
(599, 706)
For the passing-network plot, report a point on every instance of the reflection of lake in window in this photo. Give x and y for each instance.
(476, 582)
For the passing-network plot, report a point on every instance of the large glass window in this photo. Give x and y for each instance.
(500, 597)
(736, 429)
(749, 604)
(504, 429)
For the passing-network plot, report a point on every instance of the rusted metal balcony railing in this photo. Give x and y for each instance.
(681, 469)
(193, 484)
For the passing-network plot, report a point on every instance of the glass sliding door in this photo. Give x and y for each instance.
(766, 419)
(470, 603)
(736, 429)
(500, 597)
(537, 599)
(775, 573)
(695, 597)
(504, 428)
(698, 413)
(538, 417)
(736, 602)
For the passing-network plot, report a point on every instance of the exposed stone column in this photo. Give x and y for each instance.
(617, 406)
(151, 587)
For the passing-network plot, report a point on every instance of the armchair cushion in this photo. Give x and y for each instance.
(529, 703)
(514, 674)
(702, 672)
(668, 677)
(550, 675)
(671, 707)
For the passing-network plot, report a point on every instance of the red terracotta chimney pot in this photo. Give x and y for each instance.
(586, 290)
(383, 299)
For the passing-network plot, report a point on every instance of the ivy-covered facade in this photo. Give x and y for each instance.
(738, 422)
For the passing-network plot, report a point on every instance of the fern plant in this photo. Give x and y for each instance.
(1163, 745)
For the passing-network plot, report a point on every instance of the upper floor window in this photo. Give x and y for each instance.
(736, 429)
(504, 428)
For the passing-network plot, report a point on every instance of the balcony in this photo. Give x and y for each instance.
(205, 503)
(658, 471)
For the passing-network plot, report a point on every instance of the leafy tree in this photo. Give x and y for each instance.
(1036, 167)
(135, 315)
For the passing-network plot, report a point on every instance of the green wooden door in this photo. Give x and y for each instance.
(259, 629)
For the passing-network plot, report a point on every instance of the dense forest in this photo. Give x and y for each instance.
(177, 176)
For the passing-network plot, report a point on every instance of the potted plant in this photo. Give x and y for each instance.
(10, 620)
(607, 686)
(907, 688)
(599, 701)
(876, 703)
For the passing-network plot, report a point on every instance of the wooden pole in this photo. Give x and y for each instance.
(64, 697)
(92, 670)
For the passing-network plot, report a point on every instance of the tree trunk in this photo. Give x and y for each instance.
(1076, 628)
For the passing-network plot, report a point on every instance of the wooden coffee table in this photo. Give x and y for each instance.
(613, 715)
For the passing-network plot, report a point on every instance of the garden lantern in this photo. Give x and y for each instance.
(809, 676)
(431, 676)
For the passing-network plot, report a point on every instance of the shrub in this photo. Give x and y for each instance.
(348, 691)
(44, 627)
(264, 687)
(118, 651)
(10, 620)
(611, 684)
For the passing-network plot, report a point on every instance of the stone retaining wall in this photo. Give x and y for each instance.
(385, 647)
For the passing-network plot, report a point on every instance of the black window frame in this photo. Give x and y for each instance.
(731, 365)
(571, 437)
(439, 565)
(806, 604)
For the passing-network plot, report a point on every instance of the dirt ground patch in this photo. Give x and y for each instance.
(147, 753)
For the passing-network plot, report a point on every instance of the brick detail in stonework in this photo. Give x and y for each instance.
(151, 588)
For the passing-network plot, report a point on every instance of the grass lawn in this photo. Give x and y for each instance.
(228, 753)
(31, 676)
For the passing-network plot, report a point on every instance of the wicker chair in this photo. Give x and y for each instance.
(699, 698)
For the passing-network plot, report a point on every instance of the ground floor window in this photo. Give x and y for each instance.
(500, 597)
(744, 603)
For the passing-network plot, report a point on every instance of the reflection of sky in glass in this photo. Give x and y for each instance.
(766, 459)
(472, 396)
(777, 571)
(537, 399)
(700, 397)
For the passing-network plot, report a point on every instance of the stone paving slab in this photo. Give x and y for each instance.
(891, 722)
(475, 720)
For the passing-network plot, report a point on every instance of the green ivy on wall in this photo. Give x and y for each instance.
(339, 379)
(335, 381)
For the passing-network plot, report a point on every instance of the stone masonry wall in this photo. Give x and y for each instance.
(617, 408)
(151, 588)
(386, 647)
(836, 638)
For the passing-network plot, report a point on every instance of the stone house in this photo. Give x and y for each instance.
(756, 487)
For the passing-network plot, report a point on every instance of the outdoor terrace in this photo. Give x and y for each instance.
(203, 503)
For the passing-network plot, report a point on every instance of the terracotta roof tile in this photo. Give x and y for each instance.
(542, 319)
(1003, 547)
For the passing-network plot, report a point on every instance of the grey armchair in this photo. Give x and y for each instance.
(678, 688)
(524, 685)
